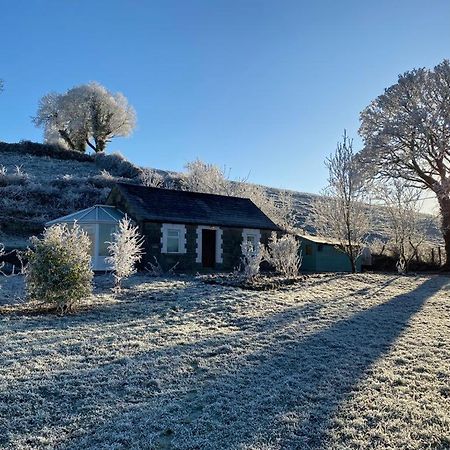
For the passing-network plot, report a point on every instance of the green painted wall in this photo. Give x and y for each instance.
(324, 258)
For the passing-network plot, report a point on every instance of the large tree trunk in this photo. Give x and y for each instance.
(444, 204)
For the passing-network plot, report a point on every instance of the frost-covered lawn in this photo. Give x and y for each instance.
(338, 362)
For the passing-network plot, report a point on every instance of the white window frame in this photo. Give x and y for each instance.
(246, 232)
(219, 241)
(182, 237)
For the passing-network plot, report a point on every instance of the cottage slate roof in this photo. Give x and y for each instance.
(172, 206)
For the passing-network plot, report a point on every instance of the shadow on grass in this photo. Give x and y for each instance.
(284, 393)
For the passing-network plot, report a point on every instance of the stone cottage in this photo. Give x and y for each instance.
(196, 230)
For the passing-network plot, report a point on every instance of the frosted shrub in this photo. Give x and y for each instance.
(151, 178)
(18, 177)
(251, 260)
(125, 250)
(116, 164)
(59, 268)
(283, 254)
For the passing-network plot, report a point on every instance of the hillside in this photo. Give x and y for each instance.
(36, 187)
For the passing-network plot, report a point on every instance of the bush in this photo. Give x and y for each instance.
(151, 178)
(251, 260)
(283, 254)
(59, 268)
(36, 149)
(117, 165)
(18, 177)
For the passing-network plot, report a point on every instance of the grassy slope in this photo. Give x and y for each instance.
(345, 362)
(56, 187)
(53, 188)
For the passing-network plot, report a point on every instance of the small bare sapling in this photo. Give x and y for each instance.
(125, 251)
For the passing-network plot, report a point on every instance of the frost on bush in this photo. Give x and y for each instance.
(18, 177)
(251, 260)
(117, 165)
(59, 268)
(151, 178)
(284, 255)
(125, 250)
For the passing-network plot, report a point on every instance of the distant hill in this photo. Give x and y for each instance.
(42, 182)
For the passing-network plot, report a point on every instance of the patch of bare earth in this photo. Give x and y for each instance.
(334, 362)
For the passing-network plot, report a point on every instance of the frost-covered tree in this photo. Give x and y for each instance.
(208, 178)
(125, 250)
(151, 178)
(406, 133)
(402, 226)
(205, 177)
(86, 115)
(2, 84)
(284, 254)
(59, 267)
(340, 213)
(279, 206)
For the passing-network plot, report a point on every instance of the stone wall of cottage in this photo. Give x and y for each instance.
(231, 248)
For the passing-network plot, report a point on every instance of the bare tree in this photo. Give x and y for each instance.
(406, 133)
(2, 85)
(86, 115)
(402, 228)
(340, 213)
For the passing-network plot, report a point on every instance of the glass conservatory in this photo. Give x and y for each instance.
(99, 222)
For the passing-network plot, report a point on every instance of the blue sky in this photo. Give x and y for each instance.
(262, 87)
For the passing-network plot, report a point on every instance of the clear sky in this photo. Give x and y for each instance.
(261, 87)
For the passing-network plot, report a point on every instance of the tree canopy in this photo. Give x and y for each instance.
(406, 134)
(85, 116)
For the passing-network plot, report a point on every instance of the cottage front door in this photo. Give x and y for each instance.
(208, 248)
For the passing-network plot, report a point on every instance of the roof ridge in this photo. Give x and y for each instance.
(140, 186)
(160, 204)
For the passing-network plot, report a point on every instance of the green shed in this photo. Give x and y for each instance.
(320, 254)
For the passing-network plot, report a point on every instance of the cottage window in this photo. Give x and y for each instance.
(251, 241)
(251, 237)
(173, 241)
(320, 248)
(308, 250)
